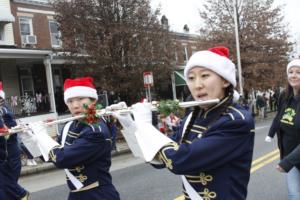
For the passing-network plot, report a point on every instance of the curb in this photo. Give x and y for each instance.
(42, 167)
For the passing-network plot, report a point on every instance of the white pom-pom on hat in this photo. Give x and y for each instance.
(236, 96)
(2, 93)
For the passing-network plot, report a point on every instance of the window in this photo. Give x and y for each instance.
(55, 34)
(26, 26)
(26, 81)
(80, 44)
(185, 53)
(26, 30)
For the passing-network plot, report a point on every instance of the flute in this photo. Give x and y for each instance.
(104, 112)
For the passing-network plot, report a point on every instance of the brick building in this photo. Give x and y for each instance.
(33, 72)
(185, 45)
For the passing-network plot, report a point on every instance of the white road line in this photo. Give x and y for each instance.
(261, 127)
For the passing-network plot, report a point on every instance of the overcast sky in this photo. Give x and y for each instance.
(180, 12)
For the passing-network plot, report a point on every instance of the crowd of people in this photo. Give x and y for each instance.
(210, 147)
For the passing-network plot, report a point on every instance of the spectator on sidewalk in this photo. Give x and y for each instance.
(10, 156)
(114, 131)
(172, 122)
(286, 126)
(162, 125)
(261, 105)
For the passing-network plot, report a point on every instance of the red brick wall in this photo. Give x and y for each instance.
(40, 25)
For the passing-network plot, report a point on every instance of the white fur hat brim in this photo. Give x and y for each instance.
(80, 91)
(2, 94)
(214, 62)
(293, 63)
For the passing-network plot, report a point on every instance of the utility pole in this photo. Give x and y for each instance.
(237, 41)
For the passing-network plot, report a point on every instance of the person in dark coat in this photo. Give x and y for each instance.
(287, 127)
(10, 156)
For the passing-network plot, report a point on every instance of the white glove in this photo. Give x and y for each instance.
(30, 142)
(44, 141)
(129, 127)
(142, 112)
(118, 106)
(125, 119)
(268, 139)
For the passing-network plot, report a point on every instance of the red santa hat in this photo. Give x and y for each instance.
(293, 63)
(215, 59)
(79, 87)
(2, 93)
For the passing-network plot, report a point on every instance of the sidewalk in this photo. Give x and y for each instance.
(122, 148)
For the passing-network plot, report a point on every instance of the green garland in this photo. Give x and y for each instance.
(166, 107)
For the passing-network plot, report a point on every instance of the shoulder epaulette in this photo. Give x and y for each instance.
(235, 113)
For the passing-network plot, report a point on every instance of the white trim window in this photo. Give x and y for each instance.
(26, 31)
(26, 26)
(55, 34)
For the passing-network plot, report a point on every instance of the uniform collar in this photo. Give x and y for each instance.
(215, 107)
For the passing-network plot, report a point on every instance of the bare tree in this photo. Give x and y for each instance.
(120, 38)
(264, 44)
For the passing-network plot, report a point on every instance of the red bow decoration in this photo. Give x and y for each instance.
(90, 113)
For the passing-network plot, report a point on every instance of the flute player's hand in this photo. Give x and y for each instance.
(142, 112)
(125, 119)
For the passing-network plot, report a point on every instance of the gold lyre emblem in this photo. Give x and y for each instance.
(207, 195)
(81, 178)
(205, 178)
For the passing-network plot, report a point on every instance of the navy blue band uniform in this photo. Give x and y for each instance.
(10, 161)
(216, 154)
(87, 155)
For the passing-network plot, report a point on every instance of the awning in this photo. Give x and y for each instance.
(6, 16)
(179, 78)
(23, 53)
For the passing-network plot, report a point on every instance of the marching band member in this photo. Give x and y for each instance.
(83, 150)
(213, 147)
(10, 160)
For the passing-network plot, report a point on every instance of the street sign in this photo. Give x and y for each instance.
(148, 79)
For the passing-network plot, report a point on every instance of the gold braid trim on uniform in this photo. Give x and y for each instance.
(201, 127)
(203, 178)
(168, 162)
(207, 195)
(72, 136)
(196, 131)
(187, 141)
(25, 197)
(77, 169)
(239, 112)
(73, 133)
(81, 178)
(91, 186)
(52, 155)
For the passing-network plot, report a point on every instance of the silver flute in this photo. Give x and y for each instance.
(105, 112)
